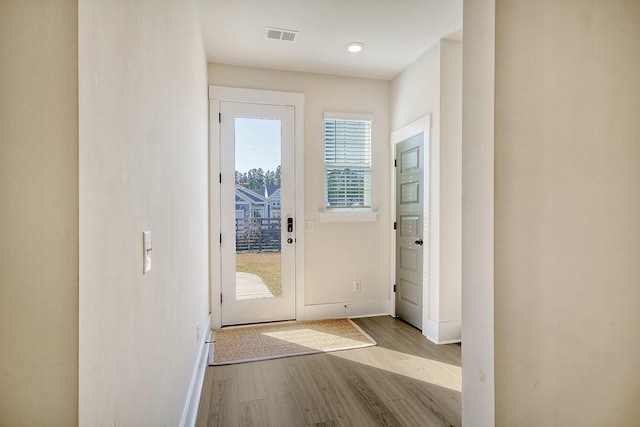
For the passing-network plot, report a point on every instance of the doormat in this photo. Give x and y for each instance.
(275, 340)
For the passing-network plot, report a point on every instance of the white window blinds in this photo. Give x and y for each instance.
(347, 157)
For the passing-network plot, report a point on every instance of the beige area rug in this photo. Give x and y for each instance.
(261, 342)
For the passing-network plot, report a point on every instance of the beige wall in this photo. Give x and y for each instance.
(433, 85)
(143, 166)
(478, 388)
(567, 210)
(415, 92)
(450, 180)
(39, 211)
(336, 253)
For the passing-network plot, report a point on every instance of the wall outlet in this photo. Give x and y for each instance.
(309, 226)
(357, 286)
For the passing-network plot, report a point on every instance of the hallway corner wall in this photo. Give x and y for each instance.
(143, 167)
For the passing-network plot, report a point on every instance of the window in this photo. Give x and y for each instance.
(347, 159)
(257, 212)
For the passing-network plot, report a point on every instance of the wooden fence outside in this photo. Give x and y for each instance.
(258, 234)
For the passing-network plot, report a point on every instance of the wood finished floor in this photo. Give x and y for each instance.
(403, 381)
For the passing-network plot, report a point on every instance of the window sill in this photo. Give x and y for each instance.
(348, 216)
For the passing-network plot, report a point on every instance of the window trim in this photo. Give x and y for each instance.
(350, 216)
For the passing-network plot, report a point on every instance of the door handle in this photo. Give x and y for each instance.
(290, 225)
(419, 242)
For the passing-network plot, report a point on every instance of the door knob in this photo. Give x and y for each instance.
(419, 242)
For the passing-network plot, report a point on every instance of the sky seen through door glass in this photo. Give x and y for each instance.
(257, 144)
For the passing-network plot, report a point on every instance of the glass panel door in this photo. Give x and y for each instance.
(257, 207)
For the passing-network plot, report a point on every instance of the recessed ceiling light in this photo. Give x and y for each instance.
(355, 47)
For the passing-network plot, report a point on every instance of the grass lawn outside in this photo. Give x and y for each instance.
(266, 265)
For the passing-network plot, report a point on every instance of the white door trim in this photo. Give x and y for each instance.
(422, 125)
(219, 94)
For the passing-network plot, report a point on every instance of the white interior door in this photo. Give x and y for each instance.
(257, 213)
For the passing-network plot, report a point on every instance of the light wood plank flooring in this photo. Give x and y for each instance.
(403, 381)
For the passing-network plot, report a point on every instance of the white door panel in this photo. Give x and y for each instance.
(257, 249)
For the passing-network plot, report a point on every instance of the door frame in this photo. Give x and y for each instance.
(218, 94)
(421, 125)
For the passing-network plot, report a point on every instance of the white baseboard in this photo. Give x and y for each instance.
(346, 309)
(442, 332)
(190, 411)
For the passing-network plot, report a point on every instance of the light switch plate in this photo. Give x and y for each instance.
(146, 251)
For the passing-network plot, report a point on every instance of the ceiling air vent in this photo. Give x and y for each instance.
(280, 34)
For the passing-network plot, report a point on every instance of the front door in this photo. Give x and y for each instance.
(257, 212)
(410, 238)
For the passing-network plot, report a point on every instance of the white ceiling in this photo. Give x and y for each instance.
(395, 33)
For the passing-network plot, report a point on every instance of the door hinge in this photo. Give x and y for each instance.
(220, 238)
(220, 298)
(395, 225)
(395, 163)
(219, 117)
(220, 178)
(395, 287)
